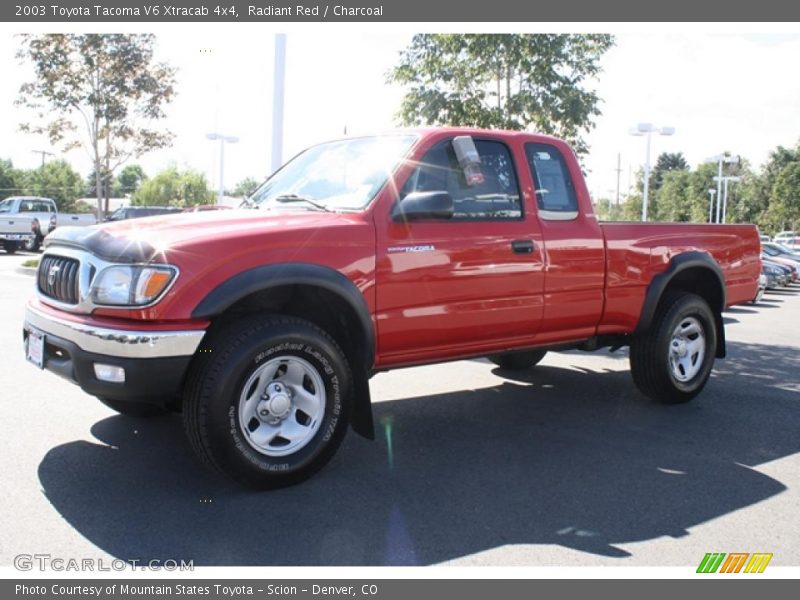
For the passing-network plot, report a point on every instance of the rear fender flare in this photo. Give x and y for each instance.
(661, 282)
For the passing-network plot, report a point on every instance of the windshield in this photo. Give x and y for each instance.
(5, 205)
(342, 175)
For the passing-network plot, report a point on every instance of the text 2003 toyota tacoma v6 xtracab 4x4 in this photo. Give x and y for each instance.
(365, 254)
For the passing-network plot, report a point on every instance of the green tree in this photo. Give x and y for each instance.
(769, 194)
(102, 92)
(784, 208)
(10, 179)
(106, 181)
(700, 181)
(245, 187)
(174, 187)
(508, 81)
(56, 180)
(129, 180)
(674, 202)
(632, 207)
(667, 161)
(607, 210)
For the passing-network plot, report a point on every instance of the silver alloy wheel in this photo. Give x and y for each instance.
(282, 405)
(687, 348)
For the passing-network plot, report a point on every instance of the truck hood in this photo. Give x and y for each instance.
(142, 240)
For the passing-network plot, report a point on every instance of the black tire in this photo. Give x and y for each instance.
(10, 246)
(215, 391)
(650, 355)
(33, 244)
(518, 361)
(134, 409)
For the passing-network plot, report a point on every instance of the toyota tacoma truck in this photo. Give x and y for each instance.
(264, 326)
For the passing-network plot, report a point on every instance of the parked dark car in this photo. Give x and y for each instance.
(780, 251)
(791, 265)
(136, 212)
(777, 275)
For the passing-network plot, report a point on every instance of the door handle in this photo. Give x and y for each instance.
(523, 246)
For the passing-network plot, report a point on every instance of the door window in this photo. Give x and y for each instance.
(497, 197)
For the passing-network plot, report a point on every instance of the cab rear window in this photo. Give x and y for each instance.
(555, 192)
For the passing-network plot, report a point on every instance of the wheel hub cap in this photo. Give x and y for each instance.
(687, 349)
(278, 403)
(282, 405)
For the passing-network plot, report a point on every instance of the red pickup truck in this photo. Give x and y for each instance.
(263, 326)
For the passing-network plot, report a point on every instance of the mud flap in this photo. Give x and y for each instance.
(361, 419)
(721, 350)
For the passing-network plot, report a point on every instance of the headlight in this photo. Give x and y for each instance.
(131, 285)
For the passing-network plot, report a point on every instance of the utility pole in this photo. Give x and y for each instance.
(619, 172)
(44, 153)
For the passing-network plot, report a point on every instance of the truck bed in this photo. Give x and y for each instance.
(636, 252)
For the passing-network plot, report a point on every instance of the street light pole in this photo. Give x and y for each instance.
(222, 139)
(646, 196)
(712, 192)
(719, 187)
(647, 129)
(722, 158)
(724, 200)
(278, 93)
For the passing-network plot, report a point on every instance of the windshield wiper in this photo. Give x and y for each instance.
(287, 198)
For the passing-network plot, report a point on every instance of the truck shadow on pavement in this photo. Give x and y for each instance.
(552, 456)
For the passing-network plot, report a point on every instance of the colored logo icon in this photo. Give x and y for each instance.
(736, 562)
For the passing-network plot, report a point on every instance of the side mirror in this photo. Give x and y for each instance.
(417, 206)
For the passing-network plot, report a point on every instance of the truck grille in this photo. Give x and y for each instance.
(57, 278)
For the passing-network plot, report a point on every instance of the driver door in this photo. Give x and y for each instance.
(471, 284)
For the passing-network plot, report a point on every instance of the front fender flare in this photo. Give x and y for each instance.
(265, 277)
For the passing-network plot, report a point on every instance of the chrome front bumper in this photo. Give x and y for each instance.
(118, 343)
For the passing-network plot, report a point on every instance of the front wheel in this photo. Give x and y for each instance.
(10, 246)
(267, 402)
(672, 362)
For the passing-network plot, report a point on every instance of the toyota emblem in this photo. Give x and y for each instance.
(52, 274)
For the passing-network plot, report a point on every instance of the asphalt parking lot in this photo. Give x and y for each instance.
(563, 465)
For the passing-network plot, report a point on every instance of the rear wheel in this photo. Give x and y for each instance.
(672, 362)
(10, 246)
(33, 244)
(268, 404)
(517, 361)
